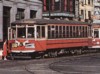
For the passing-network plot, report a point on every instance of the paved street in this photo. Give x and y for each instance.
(79, 65)
(84, 64)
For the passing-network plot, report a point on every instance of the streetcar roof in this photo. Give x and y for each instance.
(46, 21)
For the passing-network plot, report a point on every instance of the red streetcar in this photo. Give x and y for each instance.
(42, 37)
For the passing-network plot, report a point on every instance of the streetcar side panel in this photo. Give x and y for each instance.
(67, 43)
(68, 36)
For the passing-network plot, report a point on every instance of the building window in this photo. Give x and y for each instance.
(20, 14)
(71, 6)
(89, 2)
(63, 5)
(44, 5)
(57, 5)
(89, 15)
(82, 14)
(33, 14)
(92, 2)
(48, 5)
(82, 2)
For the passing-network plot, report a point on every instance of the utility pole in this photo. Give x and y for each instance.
(49, 10)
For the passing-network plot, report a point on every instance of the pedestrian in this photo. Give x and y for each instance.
(5, 50)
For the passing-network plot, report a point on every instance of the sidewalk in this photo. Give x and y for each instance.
(1, 45)
(0, 53)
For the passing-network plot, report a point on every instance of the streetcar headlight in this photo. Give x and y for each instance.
(98, 43)
(14, 45)
(93, 40)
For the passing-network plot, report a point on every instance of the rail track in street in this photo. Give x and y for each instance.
(42, 66)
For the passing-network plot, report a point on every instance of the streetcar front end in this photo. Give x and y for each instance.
(26, 39)
(22, 46)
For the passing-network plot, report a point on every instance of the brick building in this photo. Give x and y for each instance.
(62, 9)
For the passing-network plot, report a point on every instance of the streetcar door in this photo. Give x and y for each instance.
(40, 32)
(40, 37)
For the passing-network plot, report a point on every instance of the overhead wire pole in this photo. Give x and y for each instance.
(49, 10)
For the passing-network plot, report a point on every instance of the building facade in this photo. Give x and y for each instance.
(62, 9)
(82, 10)
(96, 11)
(11, 10)
(86, 10)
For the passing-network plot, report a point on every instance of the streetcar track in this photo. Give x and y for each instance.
(10, 64)
(70, 58)
(29, 70)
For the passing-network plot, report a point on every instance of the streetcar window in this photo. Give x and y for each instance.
(85, 31)
(9, 33)
(77, 32)
(96, 34)
(57, 32)
(74, 32)
(71, 31)
(40, 32)
(43, 31)
(60, 31)
(81, 31)
(64, 31)
(49, 34)
(21, 32)
(30, 33)
(13, 32)
(67, 28)
(89, 31)
(52, 30)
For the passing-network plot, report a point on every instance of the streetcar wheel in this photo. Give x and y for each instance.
(53, 54)
(79, 52)
(11, 56)
(72, 52)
